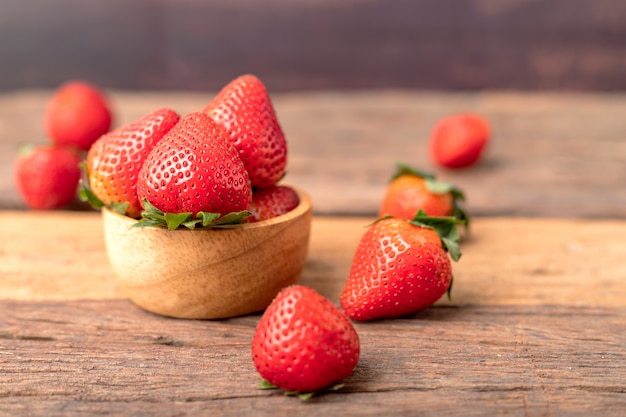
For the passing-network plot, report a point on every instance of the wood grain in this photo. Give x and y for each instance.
(61, 256)
(555, 155)
(108, 357)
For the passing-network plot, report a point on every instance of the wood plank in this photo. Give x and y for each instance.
(555, 155)
(106, 356)
(61, 256)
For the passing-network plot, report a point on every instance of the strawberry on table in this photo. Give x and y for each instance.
(411, 190)
(458, 141)
(303, 342)
(193, 176)
(400, 267)
(115, 159)
(47, 176)
(244, 111)
(272, 202)
(77, 114)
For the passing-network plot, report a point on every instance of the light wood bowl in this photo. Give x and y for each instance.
(209, 273)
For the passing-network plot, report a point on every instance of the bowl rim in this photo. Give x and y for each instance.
(303, 206)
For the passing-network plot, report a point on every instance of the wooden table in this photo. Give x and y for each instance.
(537, 321)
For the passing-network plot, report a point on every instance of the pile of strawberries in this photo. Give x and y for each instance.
(219, 165)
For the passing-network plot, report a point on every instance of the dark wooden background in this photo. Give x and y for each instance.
(307, 44)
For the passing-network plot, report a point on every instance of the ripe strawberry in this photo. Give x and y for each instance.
(400, 267)
(303, 342)
(244, 111)
(411, 190)
(271, 202)
(114, 160)
(458, 141)
(77, 114)
(47, 176)
(196, 173)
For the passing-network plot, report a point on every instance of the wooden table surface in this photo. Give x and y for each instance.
(537, 321)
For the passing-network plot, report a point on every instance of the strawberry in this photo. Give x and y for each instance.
(272, 202)
(303, 342)
(244, 111)
(114, 161)
(77, 114)
(193, 175)
(47, 176)
(411, 190)
(458, 141)
(400, 267)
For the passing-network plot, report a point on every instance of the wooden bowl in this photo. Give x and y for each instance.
(208, 273)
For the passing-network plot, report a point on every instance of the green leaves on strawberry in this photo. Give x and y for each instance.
(303, 343)
(152, 216)
(401, 267)
(244, 111)
(115, 159)
(194, 170)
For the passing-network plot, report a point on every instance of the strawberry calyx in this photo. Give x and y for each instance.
(153, 217)
(437, 187)
(445, 228)
(304, 396)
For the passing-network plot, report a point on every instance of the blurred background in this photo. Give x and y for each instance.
(308, 44)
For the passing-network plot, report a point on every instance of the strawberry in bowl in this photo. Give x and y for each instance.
(178, 204)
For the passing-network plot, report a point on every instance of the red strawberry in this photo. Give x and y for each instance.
(47, 176)
(411, 190)
(195, 170)
(400, 267)
(458, 141)
(114, 160)
(77, 114)
(303, 342)
(244, 111)
(271, 202)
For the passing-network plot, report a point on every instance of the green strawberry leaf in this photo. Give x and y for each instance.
(236, 217)
(265, 384)
(304, 396)
(85, 194)
(174, 220)
(442, 187)
(207, 218)
(445, 228)
(120, 207)
(403, 169)
(152, 216)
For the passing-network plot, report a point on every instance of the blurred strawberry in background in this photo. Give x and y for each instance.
(458, 141)
(77, 114)
(47, 176)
